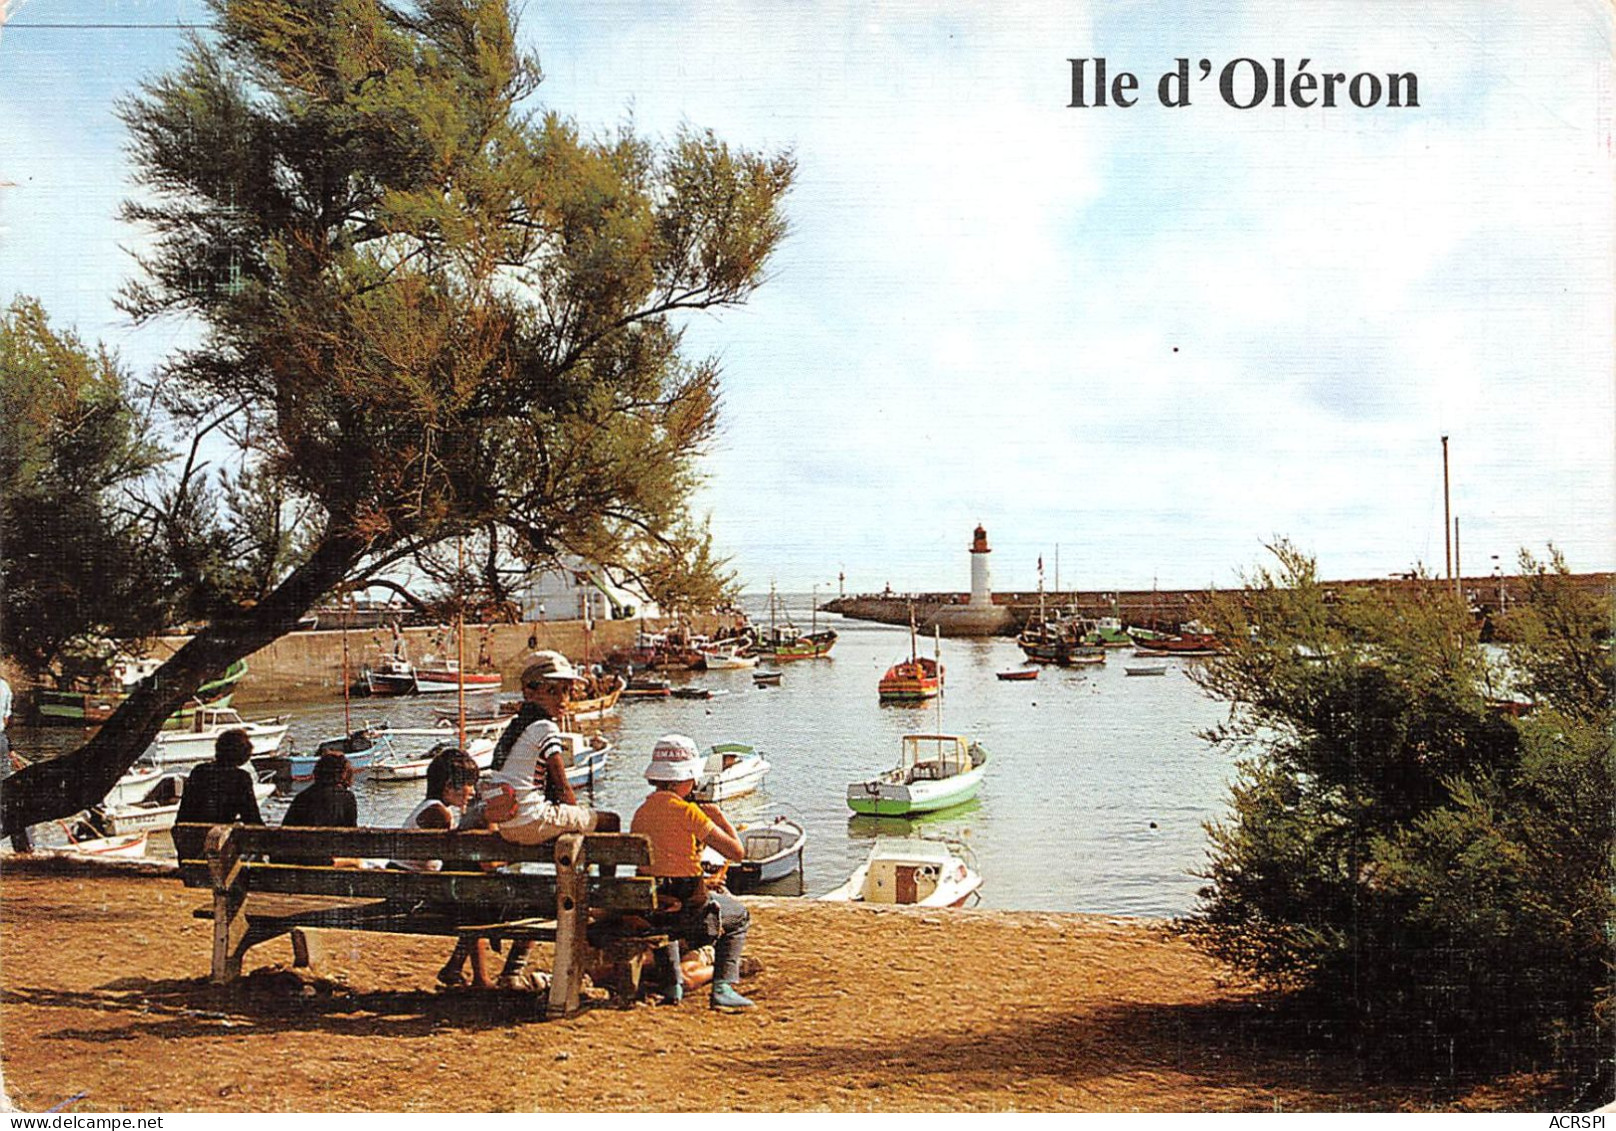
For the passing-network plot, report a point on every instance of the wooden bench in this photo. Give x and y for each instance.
(582, 903)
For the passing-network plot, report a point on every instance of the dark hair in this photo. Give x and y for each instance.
(334, 767)
(449, 768)
(232, 748)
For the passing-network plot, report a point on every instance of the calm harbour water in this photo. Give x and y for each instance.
(1094, 798)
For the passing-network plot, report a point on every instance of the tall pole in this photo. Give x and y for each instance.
(1447, 518)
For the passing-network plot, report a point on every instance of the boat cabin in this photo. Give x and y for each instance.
(935, 757)
(908, 872)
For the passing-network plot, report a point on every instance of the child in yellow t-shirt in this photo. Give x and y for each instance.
(678, 829)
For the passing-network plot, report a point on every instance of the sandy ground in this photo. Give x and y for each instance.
(105, 998)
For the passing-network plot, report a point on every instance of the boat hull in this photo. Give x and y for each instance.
(879, 798)
(433, 682)
(773, 854)
(91, 708)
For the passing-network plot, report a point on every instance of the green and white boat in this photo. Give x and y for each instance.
(935, 771)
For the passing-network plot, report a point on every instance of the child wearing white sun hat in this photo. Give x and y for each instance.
(678, 829)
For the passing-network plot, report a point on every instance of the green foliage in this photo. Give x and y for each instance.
(434, 311)
(76, 554)
(1397, 846)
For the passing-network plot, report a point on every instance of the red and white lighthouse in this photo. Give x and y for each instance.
(981, 584)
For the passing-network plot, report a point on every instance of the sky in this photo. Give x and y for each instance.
(1143, 341)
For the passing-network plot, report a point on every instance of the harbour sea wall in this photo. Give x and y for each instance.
(307, 665)
(1165, 610)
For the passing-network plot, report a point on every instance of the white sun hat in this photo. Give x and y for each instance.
(674, 758)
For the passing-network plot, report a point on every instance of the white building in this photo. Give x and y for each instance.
(577, 590)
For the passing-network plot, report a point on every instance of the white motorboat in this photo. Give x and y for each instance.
(196, 743)
(733, 769)
(723, 658)
(157, 809)
(1144, 669)
(911, 872)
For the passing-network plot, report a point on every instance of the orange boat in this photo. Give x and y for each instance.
(914, 679)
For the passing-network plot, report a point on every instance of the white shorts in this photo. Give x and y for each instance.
(536, 824)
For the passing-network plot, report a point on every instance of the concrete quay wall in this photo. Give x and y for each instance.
(1165, 610)
(309, 665)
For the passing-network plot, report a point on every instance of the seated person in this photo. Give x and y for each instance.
(328, 803)
(530, 767)
(219, 792)
(451, 783)
(677, 829)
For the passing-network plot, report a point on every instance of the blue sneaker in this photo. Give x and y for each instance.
(725, 996)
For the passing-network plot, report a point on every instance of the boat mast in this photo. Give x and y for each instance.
(460, 641)
(347, 681)
(1447, 518)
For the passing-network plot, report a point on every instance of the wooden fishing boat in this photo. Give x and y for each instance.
(773, 853)
(1107, 632)
(387, 676)
(196, 743)
(784, 641)
(934, 771)
(733, 769)
(443, 677)
(912, 680)
(82, 707)
(598, 697)
(1192, 640)
(1018, 674)
(911, 872)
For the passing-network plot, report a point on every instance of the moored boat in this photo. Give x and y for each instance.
(85, 841)
(733, 769)
(934, 771)
(726, 657)
(1144, 669)
(912, 680)
(1192, 640)
(912, 872)
(411, 765)
(196, 743)
(155, 811)
(773, 853)
(766, 679)
(439, 677)
(1018, 674)
(784, 641)
(79, 707)
(647, 687)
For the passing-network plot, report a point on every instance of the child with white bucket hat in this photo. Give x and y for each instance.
(678, 829)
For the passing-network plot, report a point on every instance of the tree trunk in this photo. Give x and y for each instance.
(62, 786)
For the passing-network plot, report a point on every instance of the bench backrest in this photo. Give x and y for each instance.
(242, 858)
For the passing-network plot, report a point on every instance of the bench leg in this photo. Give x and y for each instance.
(229, 935)
(572, 927)
(308, 948)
